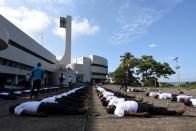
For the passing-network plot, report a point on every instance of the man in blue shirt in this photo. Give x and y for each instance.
(37, 76)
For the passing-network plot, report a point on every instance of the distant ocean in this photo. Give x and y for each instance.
(176, 83)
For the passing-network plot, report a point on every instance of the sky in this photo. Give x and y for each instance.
(162, 28)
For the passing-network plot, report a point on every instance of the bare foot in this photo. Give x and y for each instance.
(167, 106)
(181, 111)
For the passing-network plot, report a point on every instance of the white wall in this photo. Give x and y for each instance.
(18, 55)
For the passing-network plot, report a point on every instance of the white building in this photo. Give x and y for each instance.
(19, 53)
(90, 68)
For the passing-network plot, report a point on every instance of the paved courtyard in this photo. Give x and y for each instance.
(98, 120)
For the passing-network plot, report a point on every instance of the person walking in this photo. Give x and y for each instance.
(37, 77)
(124, 85)
(27, 80)
(61, 80)
(70, 82)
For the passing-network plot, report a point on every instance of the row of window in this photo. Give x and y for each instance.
(14, 64)
(99, 65)
(99, 74)
(29, 51)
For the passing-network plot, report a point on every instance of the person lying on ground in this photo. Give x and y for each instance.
(132, 108)
(181, 98)
(116, 100)
(104, 93)
(164, 96)
(72, 103)
(7, 96)
(152, 94)
(190, 102)
(37, 108)
(68, 95)
(134, 90)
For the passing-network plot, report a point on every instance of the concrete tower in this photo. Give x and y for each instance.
(66, 23)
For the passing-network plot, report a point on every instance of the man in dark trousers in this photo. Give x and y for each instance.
(28, 80)
(124, 84)
(61, 80)
(70, 82)
(37, 76)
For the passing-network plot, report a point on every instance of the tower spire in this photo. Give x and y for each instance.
(66, 23)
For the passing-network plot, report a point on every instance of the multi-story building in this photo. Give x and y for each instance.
(19, 53)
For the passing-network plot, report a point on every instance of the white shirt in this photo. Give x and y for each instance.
(49, 100)
(164, 96)
(183, 97)
(70, 79)
(28, 77)
(128, 106)
(18, 92)
(115, 101)
(106, 94)
(152, 94)
(31, 106)
(4, 93)
(101, 89)
(193, 102)
(110, 97)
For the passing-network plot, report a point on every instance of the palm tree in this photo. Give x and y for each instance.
(128, 61)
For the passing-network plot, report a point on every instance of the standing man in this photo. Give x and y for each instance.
(28, 80)
(37, 76)
(61, 80)
(70, 82)
(124, 84)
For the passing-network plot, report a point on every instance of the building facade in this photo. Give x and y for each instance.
(90, 68)
(19, 53)
(22, 54)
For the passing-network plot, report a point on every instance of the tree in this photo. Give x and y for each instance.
(145, 69)
(126, 68)
(151, 70)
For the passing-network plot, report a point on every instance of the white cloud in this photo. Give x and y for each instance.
(2, 2)
(152, 45)
(134, 18)
(82, 27)
(59, 57)
(50, 1)
(32, 22)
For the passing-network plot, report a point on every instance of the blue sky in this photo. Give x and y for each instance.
(162, 28)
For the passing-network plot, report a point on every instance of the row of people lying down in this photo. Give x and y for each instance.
(13, 95)
(186, 99)
(132, 106)
(135, 90)
(73, 102)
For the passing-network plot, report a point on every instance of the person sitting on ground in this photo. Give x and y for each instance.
(37, 108)
(190, 102)
(132, 108)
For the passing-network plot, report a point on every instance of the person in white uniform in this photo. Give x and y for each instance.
(164, 96)
(132, 108)
(181, 98)
(190, 102)
(152, 94)
(38, 108)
